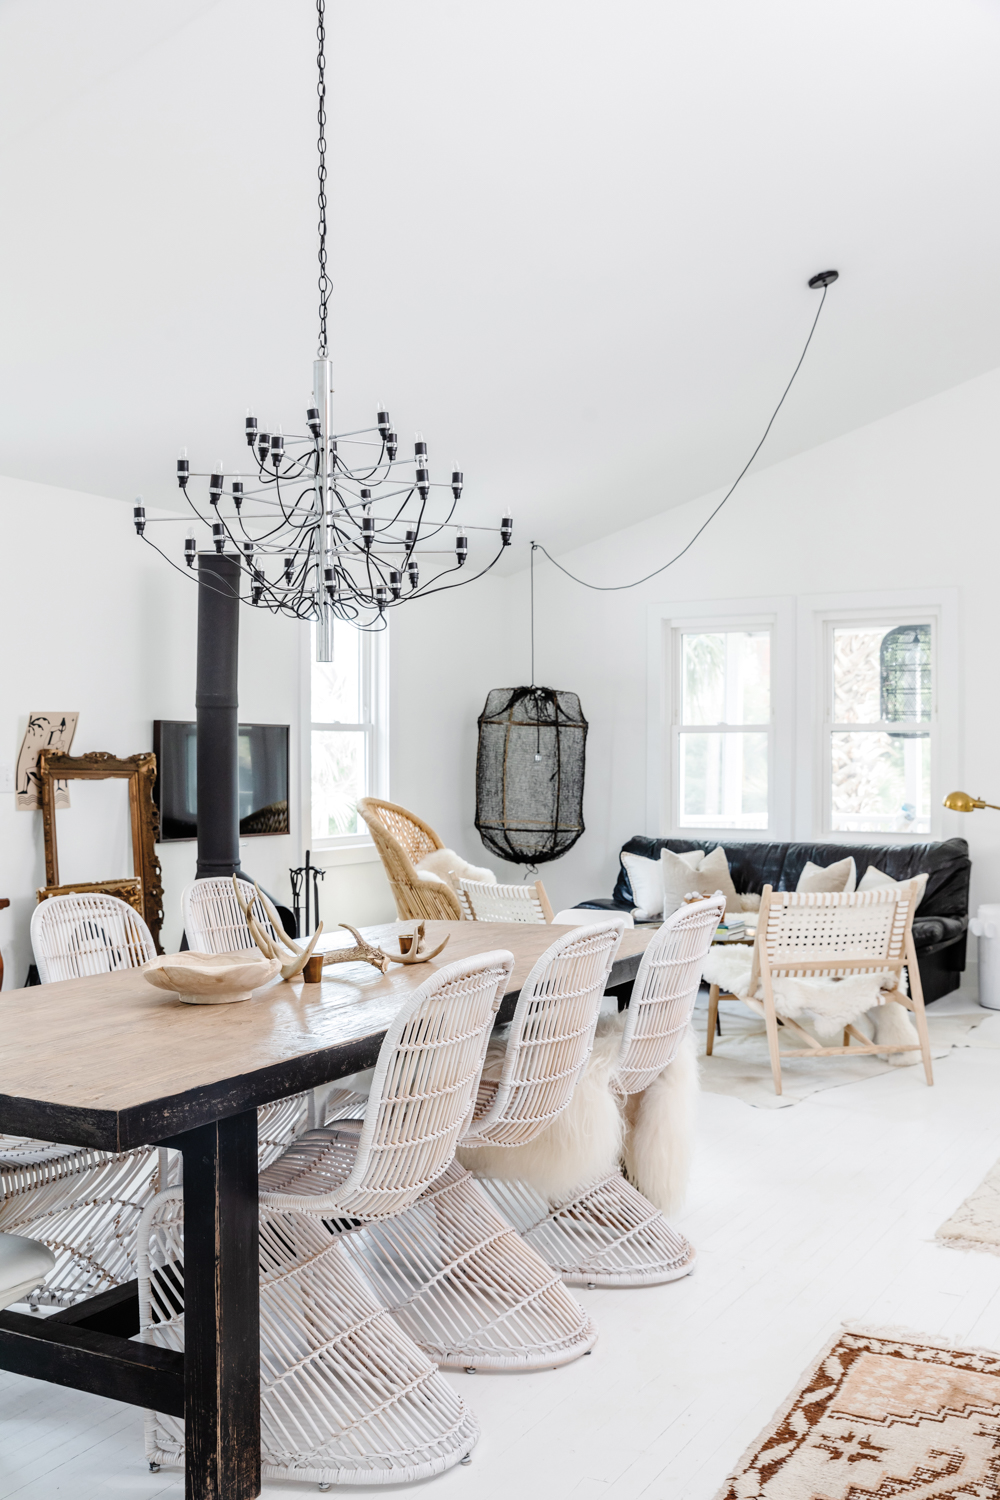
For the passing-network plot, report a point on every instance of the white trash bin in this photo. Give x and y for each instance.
(985, 925)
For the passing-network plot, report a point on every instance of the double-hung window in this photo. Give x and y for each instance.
(347, 739)
(881, 724)
(722, 751)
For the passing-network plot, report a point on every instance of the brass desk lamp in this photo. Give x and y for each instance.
(962, 802)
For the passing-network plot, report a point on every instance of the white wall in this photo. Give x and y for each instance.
(91, 619)
(910, 501)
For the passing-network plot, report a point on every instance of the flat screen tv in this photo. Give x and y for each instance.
(263, 778)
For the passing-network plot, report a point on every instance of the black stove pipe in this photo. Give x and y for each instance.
(216, 703)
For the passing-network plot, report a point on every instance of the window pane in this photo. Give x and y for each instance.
(726, 677)
(338, 780)
(723, 780)
(881, 673)
(881, 782)
(336, 685)
(855, 676)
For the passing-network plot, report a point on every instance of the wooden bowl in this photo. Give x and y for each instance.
(210, 978)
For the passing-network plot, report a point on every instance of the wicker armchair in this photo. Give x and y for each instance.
(401, 839)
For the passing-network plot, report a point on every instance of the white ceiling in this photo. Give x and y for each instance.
(571, 237)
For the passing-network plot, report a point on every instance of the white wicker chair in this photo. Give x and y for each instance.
(457, 1276)
(82, 1204)
(346, 1396)
(214, 923)
(609, 1234)
(213, 919)
(491, 902)
(87, 934)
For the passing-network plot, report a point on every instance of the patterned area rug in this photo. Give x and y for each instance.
(976, 1225)
(882, 1417)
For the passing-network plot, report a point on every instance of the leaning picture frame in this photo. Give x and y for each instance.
(100, 765)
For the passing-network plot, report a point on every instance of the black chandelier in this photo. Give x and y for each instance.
(324, 531)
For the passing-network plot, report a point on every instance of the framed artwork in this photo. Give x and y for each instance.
(45, 731)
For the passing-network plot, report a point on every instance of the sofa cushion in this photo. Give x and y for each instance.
(753, 866)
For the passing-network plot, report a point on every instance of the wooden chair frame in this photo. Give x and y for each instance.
(771, 961)
(100, 765)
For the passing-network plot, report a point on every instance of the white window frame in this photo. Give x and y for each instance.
(818, 616)
(375, 720)
(667, 621)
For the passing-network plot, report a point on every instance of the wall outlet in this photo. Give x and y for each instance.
(6, 778)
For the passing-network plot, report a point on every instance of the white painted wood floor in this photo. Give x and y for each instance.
(804, 1218)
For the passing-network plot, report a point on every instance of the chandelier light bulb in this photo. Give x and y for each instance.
(414, 573)
(218, 536)
(183, 469)
(139, 515)
(457, 481)
(506, 530)
(461, 548)
(251, 428)
(237, 488)
(190, 549)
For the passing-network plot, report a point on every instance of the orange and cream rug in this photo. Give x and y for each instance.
(880, 1417)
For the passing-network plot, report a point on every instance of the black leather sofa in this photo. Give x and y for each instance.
(941, 922)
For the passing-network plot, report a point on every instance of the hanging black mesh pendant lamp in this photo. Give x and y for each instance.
(529, 773)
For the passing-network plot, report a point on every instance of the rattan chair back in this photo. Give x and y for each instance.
(401, 839)
(421, 1097)
(213, 920)
(550, 1040)
(664, 993)
(491, 902)
(83, 934)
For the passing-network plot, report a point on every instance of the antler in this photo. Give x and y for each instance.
(290, 967)
(365, 952)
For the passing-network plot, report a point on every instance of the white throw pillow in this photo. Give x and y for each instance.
(872, 879)
(645, 877)
(842, 876)
(711, 875)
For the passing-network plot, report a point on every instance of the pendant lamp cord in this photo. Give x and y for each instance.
(534, 548)
(324, 280)
(611, 588)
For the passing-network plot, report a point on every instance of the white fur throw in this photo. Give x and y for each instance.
(650, 1134)
(450, 868)
(830, 1004)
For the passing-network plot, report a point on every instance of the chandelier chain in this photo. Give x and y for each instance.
(324, 280)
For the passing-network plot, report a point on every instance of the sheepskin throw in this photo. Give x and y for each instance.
(830, 1004)
(450, 868)
(599, 1132)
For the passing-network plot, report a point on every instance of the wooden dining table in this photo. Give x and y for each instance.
(110, 1062)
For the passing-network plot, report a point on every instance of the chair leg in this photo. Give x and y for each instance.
(771, 1021)
(713, 1017)
(919, 1014)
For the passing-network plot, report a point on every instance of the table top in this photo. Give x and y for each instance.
(109, 1061)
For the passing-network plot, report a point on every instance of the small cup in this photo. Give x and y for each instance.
(405, 942)
(313, 971)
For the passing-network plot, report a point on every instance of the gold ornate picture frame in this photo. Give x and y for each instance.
(100, 765)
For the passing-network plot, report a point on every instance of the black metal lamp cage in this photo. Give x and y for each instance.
(529, 773)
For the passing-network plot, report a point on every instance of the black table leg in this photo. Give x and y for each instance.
(221, 1310)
